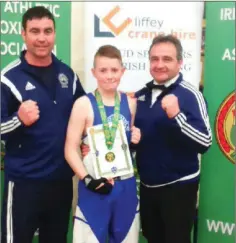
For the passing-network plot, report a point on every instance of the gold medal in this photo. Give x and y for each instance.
(110, 157)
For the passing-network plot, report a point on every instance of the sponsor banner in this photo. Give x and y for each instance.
(11, 40)
(217, 188)
(128, 27)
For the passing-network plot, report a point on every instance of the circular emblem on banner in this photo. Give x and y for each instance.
(226, 128)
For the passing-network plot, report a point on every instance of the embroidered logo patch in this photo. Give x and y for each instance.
(63, 80)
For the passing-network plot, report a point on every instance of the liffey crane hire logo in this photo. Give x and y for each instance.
(225, 127)
(107, 20)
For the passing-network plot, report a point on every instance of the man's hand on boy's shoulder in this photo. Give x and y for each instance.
(131, 94)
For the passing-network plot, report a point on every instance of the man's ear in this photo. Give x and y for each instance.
(23, 34)
(180, 63)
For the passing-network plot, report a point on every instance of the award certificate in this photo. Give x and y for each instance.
(113, 162)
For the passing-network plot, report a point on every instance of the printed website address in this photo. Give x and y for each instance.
(225, 228)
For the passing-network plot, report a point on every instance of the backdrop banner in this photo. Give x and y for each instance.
(217, 185)
(129, 28)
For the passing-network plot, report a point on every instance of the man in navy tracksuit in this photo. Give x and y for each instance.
(174, 124)
(38, 92)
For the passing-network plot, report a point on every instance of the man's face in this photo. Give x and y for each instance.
(108, 72)
(163, 62)
(39, 37)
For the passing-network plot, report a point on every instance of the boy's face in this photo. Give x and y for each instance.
(108, 72)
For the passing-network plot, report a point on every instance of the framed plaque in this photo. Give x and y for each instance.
(109, 163)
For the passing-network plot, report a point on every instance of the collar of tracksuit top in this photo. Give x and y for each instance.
(27, 67)
(33, 70)
(166, 89)
(158, 88)
(30, 68)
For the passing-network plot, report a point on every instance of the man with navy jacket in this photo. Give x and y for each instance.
(174, 123)
(38, 92)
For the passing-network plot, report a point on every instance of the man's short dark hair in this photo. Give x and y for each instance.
(169, 39)
(37, 12)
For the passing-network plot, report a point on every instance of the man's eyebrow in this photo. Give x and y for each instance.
(48, 28)
(34, 28)
(169, 57)
(37, 28)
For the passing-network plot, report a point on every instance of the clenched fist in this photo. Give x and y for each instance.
(135, 135)
(170, 105)
(28, 112)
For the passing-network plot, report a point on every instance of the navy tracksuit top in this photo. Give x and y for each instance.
(37, 151)
(169, 148)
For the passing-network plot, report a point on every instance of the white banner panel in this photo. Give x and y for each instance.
(131, 26)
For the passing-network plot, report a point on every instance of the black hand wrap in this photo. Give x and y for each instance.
(92, 184)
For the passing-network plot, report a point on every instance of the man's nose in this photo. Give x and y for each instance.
(41, 37)
(160, 64)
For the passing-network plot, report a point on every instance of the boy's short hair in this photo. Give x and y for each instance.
(37, 12)
(108, 51)
(169, 39)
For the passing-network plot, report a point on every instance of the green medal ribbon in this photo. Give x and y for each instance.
(110, 133)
